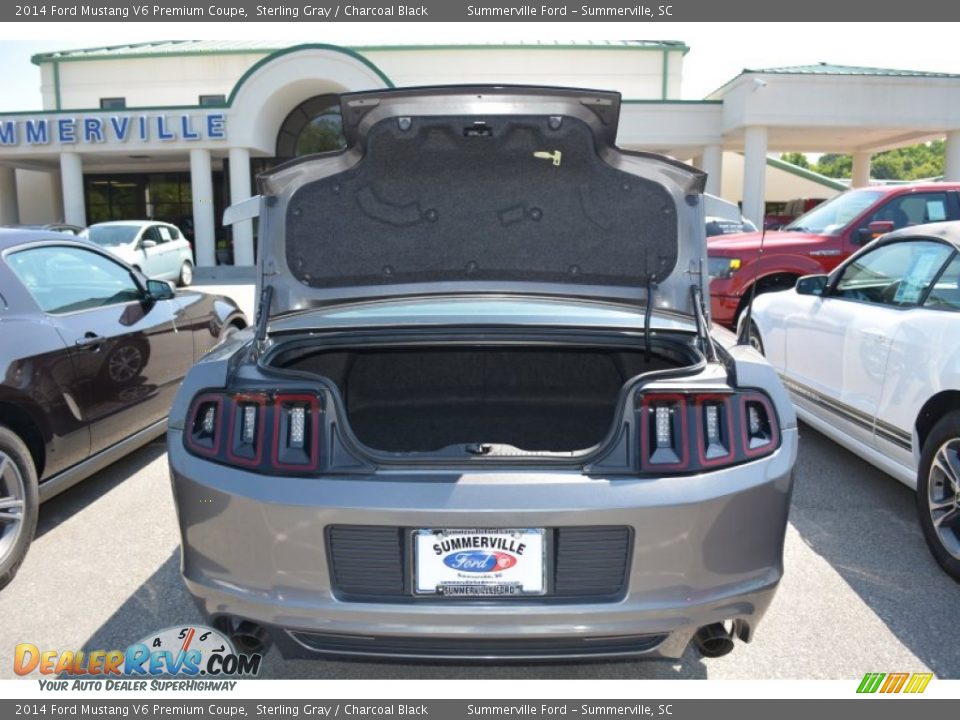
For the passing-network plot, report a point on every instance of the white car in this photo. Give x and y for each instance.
(157, 249)
(871, 357)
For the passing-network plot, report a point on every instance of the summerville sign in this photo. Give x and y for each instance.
(97, 129)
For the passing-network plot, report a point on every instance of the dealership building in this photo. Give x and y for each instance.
(177, 130)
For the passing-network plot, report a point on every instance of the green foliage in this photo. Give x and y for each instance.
(916, 162)
(796, 158)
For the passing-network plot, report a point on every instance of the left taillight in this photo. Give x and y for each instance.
(278, 432)
(697, 432)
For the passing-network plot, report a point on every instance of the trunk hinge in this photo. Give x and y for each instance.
(700, 312)
(648, 316)
(263, 315)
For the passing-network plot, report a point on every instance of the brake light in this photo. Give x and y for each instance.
(690, 432)
(269, 432)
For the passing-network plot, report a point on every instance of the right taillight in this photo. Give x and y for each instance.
(278, 432)
(692, 432)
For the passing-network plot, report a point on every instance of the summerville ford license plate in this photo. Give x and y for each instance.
(485, 563)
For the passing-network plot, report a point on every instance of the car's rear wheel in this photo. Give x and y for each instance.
(19, 501)
(938, 493)
(186, 274)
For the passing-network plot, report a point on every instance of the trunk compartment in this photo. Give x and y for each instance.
(536, 398)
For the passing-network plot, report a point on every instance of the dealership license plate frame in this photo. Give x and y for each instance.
(545, 537)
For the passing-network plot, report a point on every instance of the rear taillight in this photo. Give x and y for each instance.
(691, 432)
(268, 432)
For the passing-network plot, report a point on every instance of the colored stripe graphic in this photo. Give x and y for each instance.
(870, 682)
(913, 683)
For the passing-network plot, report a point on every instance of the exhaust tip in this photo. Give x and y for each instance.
(713, 640)
(248, 637)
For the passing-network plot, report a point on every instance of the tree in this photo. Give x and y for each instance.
(796, 158)
(834, 165)
(916, 162)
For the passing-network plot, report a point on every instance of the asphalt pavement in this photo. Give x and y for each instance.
(861, 592)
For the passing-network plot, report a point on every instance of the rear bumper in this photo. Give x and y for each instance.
(706, 548)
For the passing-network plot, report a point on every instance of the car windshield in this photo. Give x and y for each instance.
(834, 215)
(111, 234)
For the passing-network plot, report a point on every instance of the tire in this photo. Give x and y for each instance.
(756, 342)
(18, 488)
(186, 274)
(938, 493)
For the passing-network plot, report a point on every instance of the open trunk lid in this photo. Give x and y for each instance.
(508, 190)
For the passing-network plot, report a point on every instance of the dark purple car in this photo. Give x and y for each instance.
(91, 355)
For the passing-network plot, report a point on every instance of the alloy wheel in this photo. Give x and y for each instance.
(943, 495)
(186, 274)
(11, 503)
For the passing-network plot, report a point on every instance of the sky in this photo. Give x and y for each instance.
(718, 51)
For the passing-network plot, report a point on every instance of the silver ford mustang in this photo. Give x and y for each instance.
(482, 413)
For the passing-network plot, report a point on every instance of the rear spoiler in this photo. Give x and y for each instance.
(244, 210)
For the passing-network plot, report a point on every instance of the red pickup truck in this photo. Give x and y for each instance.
(817, 241)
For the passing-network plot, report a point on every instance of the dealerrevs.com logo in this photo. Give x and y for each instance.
(195, 656)
(891, 683)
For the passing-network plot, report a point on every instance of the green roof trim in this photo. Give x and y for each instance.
(829, 69)
(180, 48)
(806, 174)
(297, 48)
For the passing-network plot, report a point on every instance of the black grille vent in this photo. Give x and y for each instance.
(592, 561)
(367, 560)
(589, 563)
(473, 648)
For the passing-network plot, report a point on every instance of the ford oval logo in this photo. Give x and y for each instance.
(480, 561)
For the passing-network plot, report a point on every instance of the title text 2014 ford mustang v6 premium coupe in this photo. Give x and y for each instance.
(481, 415)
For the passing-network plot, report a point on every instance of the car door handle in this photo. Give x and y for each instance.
(90, 341)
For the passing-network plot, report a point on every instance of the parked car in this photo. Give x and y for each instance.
(483, 415)
(158, 250)
(53, 227)
(724, 217)
(92, 354)
(871, 356)
(818, 241)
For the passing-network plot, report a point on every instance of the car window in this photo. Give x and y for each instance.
(111, 234)
(152, 233)
(912, 209)
(896, 275)
(66, 279)
(165, 234)
(945, 293)
(832, 216)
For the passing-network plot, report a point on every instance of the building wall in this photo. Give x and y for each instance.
(180, 80)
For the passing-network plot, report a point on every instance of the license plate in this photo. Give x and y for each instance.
(482, 563)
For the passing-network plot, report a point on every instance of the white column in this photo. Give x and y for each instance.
(204, 227)
(9, 205)
(712, 165)
(240, 190)
(951, 170)
(861, 169)
(71, 179)
(754, 173)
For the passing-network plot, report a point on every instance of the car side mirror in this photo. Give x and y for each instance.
(160, 290)
(812, 285)
(875, 230)
(148, 244)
